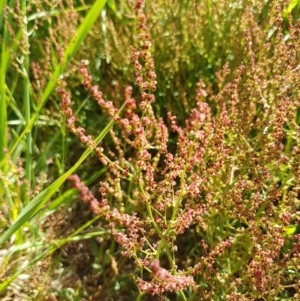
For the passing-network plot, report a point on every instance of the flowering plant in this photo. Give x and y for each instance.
(207, 208)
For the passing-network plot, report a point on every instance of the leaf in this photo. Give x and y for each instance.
(70, 51)
(290, 230)
(291, 6)
(112, 5)
(33, 206)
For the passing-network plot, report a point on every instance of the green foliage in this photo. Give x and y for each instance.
(191, 172)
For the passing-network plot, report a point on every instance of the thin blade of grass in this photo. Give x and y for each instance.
(27, 105)
(66, 196)
(70, 51)
(2, 5)
(55, 12)
(3, 100)
(54, 246)
(33, 206)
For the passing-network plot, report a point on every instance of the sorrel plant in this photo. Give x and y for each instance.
(207, 209)
(194, 191)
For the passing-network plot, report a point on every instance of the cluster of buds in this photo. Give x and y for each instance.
(174, 185)
(163, 281)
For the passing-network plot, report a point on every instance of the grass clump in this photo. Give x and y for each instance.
(193, 192)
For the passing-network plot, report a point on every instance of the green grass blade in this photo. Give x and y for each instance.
(69, 53)
(55, 12)
(27, 105)
(66, 196)
(53, 246)
(3, 100)
(2, 5)
(293, 4)
(33, 206)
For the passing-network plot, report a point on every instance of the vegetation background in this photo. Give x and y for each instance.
(193, 196)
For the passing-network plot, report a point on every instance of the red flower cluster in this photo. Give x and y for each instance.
(228, 177)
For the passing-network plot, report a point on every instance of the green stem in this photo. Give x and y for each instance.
(3, 102)
(183, 295)
(2, 5)
(27, 106)
(182, 194)
(139, 297)
(163, 242)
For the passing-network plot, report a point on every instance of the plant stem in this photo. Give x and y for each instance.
(3, 102)
(27, 106)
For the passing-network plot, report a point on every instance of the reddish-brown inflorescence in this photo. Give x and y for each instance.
(164, 281)
(215, 195)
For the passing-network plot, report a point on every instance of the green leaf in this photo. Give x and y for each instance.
(33, 206)
(290, 230)
(112, 5)
(70, 51)
(291, 6)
